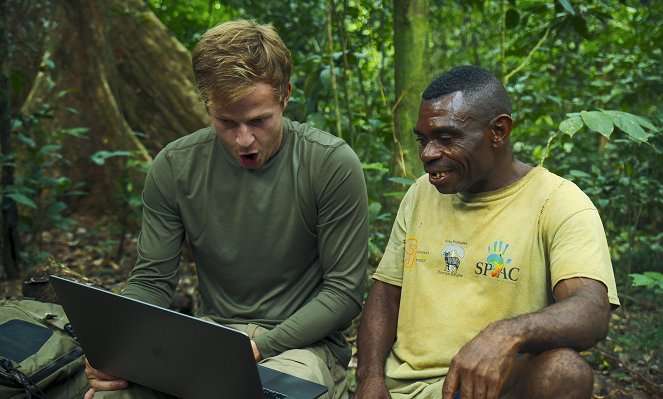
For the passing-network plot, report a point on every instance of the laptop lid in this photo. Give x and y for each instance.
(169, 351)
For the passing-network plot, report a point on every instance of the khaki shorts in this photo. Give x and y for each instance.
(313, 363)
(409, 389)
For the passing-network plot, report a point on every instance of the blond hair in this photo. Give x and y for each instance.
(233, 56)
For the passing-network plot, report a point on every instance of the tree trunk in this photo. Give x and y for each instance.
(128, 80)
(410, 75)
(8, 212)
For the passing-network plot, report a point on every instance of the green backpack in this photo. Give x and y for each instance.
(39, 355)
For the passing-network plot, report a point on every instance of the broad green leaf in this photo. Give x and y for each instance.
(648, 279)
(628, 124)
(598, 122)
(22, 199)
(644, 122)
(655, 276)
(571, 125)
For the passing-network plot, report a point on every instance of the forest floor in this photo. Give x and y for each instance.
(627, 364)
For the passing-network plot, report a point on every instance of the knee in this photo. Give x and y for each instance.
(563, 373)
(300, 363)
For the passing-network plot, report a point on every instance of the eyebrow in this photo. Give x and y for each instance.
(439, 130)
(259, 116)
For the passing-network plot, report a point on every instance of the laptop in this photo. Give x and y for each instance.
(169, 351)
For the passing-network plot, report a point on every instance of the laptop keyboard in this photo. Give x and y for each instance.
(269, 394)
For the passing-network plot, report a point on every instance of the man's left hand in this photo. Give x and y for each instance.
(480, 368)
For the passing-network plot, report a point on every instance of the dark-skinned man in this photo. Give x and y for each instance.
(496, 273)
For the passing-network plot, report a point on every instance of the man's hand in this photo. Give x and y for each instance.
(372, 388)
(256, 352)
(100, 381)
(481, 367)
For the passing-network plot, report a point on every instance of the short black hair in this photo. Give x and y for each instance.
(481, 88)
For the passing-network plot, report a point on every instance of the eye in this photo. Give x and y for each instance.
(225, 122)
(259, 121)
(422, 141)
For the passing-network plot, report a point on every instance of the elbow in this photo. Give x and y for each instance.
(598, 330)
(602, 328)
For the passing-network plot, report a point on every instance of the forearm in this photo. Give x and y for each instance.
(377, 332)
(330, 311)
(153, 281)
(576, 321)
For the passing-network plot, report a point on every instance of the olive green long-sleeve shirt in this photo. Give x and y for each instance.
(283, 246)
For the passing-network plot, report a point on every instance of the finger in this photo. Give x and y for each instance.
(466, 390)
(450, 385)
(93, 373)
(107, 385)
(89, 394)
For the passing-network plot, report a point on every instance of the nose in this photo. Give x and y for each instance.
(429, 152)
(244, 137)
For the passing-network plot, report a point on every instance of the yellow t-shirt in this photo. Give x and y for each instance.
(466, 261)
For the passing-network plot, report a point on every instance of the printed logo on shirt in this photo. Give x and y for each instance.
(452, 254)
(497, 265)
(411, 245)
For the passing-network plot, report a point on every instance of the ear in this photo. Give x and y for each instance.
(500, 130)
(287, 96)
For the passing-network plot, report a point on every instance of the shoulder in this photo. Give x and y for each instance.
(202, 137)
(311, 138)
(309, 135)
(316, 147)
(561, 194)
(423, 196)
(187, 147)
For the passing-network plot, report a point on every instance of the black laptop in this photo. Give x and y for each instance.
(169, 351)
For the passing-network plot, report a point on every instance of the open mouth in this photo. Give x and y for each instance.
(438, 175)
(249, 160)
(249, 157)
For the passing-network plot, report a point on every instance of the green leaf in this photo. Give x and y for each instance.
(374, 166)
(644, 122)
(598, 122)
(571, 125)
(567, 6)
(648, 279)
(50, 148)
(629, 124)
(401, 180)
(100, 157)
(22, 199)
(27, 140)
(76, 131)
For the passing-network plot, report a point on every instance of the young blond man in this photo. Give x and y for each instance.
(275, 212)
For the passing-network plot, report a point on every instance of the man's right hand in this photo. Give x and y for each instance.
(372, 388)
(100, 381)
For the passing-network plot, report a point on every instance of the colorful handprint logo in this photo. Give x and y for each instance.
(496, 257)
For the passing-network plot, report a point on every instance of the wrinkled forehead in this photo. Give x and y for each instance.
(454, 108)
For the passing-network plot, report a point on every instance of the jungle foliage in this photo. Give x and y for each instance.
(563, 63)
(585, 78)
